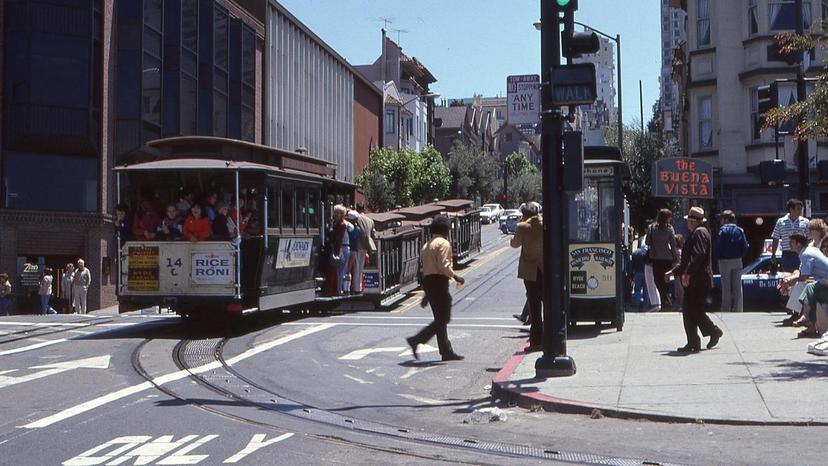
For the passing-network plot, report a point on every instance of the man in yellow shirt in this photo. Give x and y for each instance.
(437, 270)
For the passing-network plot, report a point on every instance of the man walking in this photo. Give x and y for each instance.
(696, 276)
(792, 223)
(80, 286)
(732, 245)
(437, 259)
(529, 237)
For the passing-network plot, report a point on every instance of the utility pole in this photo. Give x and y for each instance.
(641, 104)
(554, 361)
(802, 146)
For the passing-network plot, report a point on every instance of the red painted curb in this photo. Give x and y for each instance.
(506, 391)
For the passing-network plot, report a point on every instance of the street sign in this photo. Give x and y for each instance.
(573, 84)
(523, 99)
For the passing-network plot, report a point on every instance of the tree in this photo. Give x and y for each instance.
(432, 177)
(524, 180)
(404, 178)
(640, 152)
(811, 113)
(473, 173)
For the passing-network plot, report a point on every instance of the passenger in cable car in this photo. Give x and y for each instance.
(185, 201)
(239, 211)
(210, 206)
(342, 245)
(171, 228)
(224, 229)
(146, 222)
(357, 258)
(123, 223)
(196, 227)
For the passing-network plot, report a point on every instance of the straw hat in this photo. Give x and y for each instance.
(696, 213)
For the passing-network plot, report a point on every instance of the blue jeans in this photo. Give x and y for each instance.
(640, 297)
(44, 303)
(342, 267)
(5, 306)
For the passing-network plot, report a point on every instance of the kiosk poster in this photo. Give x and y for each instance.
(683, 178)
(294, 252)
(592, 270)
(142, 269)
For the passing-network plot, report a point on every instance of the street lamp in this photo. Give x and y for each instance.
(432, 95)
(617, 40)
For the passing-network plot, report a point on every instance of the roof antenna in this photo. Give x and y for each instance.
(399, 31)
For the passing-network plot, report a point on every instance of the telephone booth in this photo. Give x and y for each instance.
(596, 241)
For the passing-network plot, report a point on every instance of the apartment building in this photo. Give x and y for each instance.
(731, 51)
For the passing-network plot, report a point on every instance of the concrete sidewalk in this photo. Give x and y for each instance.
(760, 373)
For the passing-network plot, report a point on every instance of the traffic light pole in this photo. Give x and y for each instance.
(802, 147)
(554, 362)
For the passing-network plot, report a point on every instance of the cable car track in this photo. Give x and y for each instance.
(224, 380)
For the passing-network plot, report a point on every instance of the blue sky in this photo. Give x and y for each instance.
(472, 45)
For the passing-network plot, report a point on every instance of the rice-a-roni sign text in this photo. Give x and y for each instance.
(683, 178)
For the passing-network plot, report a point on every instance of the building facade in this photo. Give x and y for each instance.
(673, 34)
(597, 116)
(87, 83)
(731, 52)
(407, 117)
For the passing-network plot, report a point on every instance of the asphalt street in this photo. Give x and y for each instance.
(320, 389)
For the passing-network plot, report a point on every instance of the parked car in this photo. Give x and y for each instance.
(510, 225)
(759, 287)
(505, 214)
(489, 213)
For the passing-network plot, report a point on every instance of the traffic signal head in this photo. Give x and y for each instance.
(567, 4)
(768, 97)
(575, 44)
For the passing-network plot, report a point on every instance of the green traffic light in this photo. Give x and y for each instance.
(563, 3)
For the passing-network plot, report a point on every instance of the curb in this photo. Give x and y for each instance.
(507, 392)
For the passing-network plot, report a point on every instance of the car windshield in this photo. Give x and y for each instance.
(485, 209)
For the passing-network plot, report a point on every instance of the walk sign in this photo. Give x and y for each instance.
(573, 84)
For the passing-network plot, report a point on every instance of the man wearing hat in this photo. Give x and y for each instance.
(696, 275)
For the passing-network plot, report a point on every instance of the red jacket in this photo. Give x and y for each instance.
(146, 222)
(200, 228)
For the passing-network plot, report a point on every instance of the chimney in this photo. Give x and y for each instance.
(384, 58)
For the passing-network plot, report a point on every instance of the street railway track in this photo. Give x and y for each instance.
(193, 355)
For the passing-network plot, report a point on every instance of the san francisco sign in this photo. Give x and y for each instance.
(683, 178)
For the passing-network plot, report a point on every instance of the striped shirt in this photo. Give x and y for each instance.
(785, 227)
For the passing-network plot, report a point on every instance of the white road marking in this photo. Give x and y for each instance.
(361, 353)
(100, 362)
(419, 399)
(360, 381)
(371, 324)
(32, 347)
(420, 349)
(416, 370)
(257, 442)
(154, 450)
(509, 319)
(46, 324)
(165, 379)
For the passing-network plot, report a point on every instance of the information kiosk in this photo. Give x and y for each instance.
(596, 240)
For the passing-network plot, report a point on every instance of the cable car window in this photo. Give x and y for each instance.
(287, 207)
(313, 208)
(301, 210)
(274, 205)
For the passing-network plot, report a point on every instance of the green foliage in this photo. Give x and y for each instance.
(432, 178)
(812, 113)
(404, 178)
(473, 173)
(639, 154)
(517, 164)
(525, 187)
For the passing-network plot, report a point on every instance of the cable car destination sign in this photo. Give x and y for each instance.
(683, 178)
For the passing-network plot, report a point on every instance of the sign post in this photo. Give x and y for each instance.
(523, 97)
